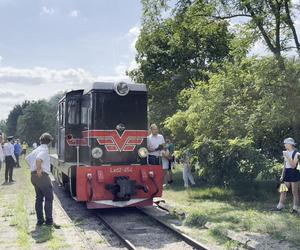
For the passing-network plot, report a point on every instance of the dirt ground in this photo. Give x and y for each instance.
(18, 220)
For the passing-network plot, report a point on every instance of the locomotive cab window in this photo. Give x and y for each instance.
(85, 104)
(73, 112)
(62, 113)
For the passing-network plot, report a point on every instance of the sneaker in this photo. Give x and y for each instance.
(294, 211)
(12, 181)
(52, 224)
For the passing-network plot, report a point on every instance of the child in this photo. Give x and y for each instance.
(165, 161)
(290, 174)
(187, 170)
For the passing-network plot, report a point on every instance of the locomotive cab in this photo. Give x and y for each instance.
(102, 141)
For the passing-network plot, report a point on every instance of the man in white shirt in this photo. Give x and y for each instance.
(39, 162)
(10, 159)
(1, 151)
(155, 142)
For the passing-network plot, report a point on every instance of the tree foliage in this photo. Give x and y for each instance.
(250, 100)
(175, 53)
(29, 120)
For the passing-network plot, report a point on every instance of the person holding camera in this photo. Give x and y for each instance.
(155, 142)
(290, 175)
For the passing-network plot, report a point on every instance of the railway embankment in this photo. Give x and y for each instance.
(233, 218)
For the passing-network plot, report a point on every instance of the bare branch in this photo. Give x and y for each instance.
(290, 23)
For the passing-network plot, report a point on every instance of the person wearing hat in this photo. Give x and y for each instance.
(39, 162)
(10, 159)
(290, 175)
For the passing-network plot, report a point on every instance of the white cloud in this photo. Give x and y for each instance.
(18, 85)
(47, 11)
(133, 35)
(9, 95)
(122, 68)
(74, 14)
(1, 59)
(130, 37)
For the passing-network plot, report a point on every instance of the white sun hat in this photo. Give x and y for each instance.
(290, 141)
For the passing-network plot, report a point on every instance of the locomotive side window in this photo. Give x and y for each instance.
(62, 113)
(85, 110)
(73, 111)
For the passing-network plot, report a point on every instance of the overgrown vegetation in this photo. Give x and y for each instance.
(232, 110)
(244, 207)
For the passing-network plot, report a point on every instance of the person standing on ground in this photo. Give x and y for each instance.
(1, 151)
(155, 143)
(10, 159)
(165, 162)
(18, 151)
(39, 162)
(171, 159)
(290, 175)
(24, 148)
(187, 170)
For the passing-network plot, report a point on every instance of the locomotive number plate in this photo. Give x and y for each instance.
(121, 170)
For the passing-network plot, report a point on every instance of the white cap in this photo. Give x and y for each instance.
(290, 141)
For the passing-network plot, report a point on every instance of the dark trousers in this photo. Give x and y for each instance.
(154, 160)
(43, 189)
(9, 166)
(18, 162)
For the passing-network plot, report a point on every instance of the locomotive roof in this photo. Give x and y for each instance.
(111, 86)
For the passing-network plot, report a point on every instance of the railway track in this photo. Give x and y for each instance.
(137, 229)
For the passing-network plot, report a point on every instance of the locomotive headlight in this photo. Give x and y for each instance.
(121, 88)
(143, 152)
(97, 153)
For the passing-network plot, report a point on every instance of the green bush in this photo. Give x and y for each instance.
(225, 162)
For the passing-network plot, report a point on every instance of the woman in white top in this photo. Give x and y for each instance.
(290, 174)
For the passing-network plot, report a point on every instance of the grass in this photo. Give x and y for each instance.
(18, 211)
(241, 208)
(20, 219)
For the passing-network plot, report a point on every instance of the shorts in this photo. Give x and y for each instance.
(291, 175)
(23, 152)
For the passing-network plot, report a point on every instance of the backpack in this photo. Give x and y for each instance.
(293, 156)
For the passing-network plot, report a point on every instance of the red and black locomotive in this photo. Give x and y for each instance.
(102, 146)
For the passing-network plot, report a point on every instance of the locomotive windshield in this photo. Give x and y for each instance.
(129, 110)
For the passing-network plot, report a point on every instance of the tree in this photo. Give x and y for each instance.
(3, 126)
(175, 53)
(38, 117)
(269, 20)
(11, 122)
(32, 123)
(249, 99)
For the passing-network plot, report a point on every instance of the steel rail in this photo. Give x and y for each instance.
(195, 244)
(117, 233)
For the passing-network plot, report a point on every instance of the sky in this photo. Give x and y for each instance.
(49, 46)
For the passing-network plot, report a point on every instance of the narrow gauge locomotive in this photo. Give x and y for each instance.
(101, 149)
